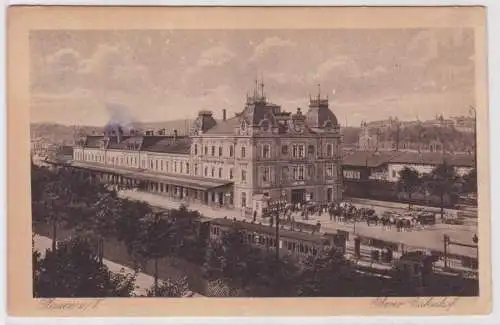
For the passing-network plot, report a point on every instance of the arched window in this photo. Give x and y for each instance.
(231, 151)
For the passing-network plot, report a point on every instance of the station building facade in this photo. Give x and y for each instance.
(241, 162)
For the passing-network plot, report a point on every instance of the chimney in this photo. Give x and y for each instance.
(175, 134)
(224, 112)
(119, 134)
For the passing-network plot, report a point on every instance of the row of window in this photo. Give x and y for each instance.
(270, 241)
(298, 150)
(161, 165)
(218, 150)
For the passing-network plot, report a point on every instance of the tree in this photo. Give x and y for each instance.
(470, 181)
(129, 222)
(442, 181)
(409, 181)
(326, 275)
(154, 241)
(234, 262)
(52, 201)
(280, 278)
(188, 242)
(78, 273)
(98, 222)
(170, 288)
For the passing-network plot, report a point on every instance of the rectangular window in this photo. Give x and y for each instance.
(175, 166)
(213, 150)
(206, 171)
(284, 149)
(206, 151)
(213, 172)
(295, 151)
(196, 170)
(196, 149)
(220, 151)
(243, 199)
(231, 150)
(329, 170)
(243, 175)
(329, 150)
(301, 173)
(220, 172)
(230, 173)
(156, 164)
(187, 168)
(301, 151)
(243, 152)
(266, 151)
(161, 165)
(310, 150)
(265, 174)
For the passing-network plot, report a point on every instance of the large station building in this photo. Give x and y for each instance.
(261, 153)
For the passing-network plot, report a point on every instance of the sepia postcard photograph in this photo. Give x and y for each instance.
(248, 161)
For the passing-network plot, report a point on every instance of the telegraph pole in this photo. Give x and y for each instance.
(446, 239)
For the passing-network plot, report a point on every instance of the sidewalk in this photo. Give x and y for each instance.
(167, 203)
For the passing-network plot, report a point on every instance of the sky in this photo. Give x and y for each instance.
(92, 77)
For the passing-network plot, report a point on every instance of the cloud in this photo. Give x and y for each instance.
(103, 58)
(269, 44)
(343, 66)
(285, 78)
(375, 72)
(215, 56)
(422, 48)
(64, 59)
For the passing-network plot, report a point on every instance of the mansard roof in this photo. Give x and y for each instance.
(159, 144)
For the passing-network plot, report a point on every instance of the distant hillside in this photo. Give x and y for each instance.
(64, 134)
(350, 135)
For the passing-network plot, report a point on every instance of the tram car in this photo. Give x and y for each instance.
(297, 244)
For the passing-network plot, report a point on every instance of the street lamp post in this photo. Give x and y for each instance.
(276, 207)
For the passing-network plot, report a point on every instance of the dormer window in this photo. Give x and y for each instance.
(265, 125)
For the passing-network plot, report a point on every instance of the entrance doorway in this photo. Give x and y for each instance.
(298, 195)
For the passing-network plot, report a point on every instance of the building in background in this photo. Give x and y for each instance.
(375, 174)
(454, 135)
(261, 153)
